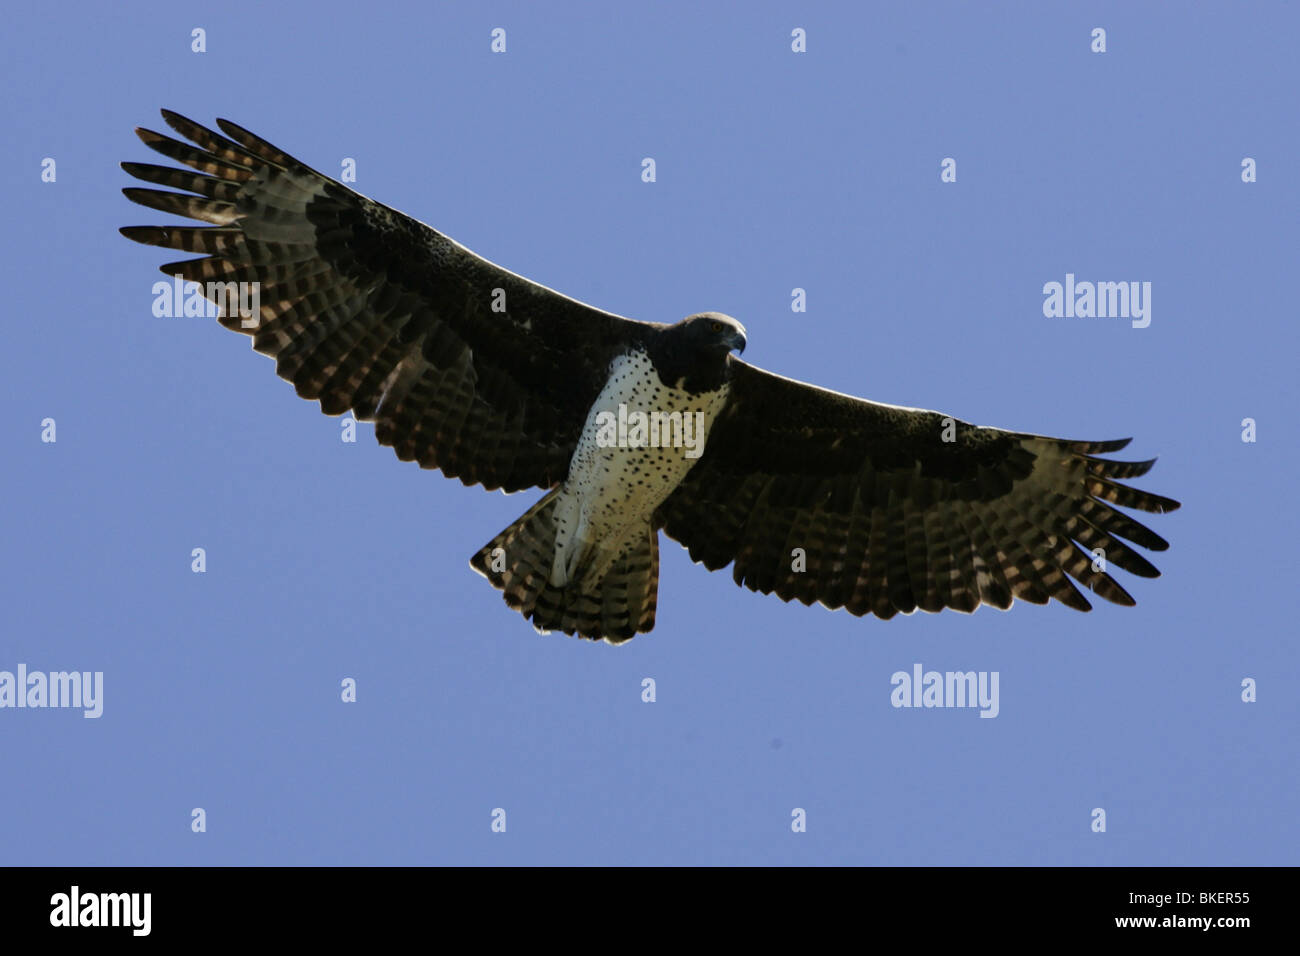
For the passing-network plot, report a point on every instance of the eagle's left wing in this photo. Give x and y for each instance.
(819, 496)
(462, 365)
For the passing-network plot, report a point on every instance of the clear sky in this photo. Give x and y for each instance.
(776, 170)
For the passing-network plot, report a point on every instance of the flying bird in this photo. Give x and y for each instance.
(630, 427)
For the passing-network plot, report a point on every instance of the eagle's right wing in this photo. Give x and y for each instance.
(893, 509)
(364, 308)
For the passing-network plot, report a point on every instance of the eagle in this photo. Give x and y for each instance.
(629, 427)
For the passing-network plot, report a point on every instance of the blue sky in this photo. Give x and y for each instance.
(775, 171)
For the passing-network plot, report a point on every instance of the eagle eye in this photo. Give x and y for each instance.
(716, 326)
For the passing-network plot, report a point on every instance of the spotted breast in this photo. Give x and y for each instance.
(640, 439)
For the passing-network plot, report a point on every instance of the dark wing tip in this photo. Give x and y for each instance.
(183, 125)
(1102, 447)
(1156, 505)
(234, 130)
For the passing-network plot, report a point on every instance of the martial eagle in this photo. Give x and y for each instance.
(463, 366)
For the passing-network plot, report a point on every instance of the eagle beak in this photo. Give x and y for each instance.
(737, 340)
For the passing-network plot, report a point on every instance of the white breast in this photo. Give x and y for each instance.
(640, 439)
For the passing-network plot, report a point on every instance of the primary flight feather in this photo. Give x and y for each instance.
(629, 426)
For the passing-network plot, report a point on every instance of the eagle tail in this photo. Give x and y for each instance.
(615, 606)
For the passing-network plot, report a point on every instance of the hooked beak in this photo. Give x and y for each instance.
(737, 340)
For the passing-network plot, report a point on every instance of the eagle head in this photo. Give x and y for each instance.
(712, 332)
(695, 354)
